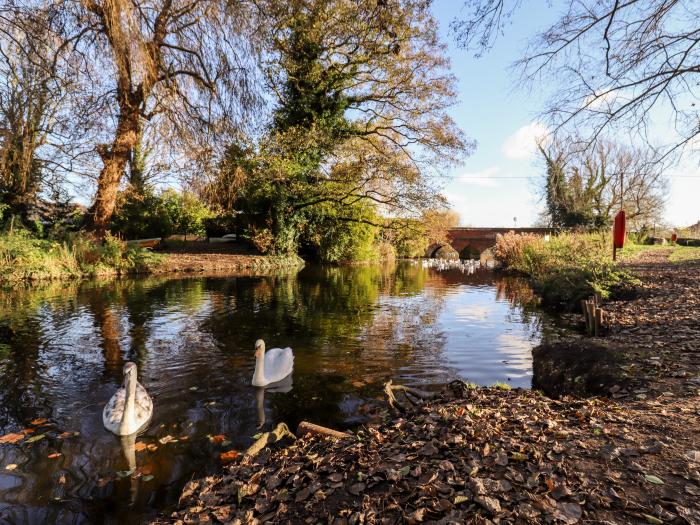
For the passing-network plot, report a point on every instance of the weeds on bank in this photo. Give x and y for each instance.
(25, 257)
(564, 268)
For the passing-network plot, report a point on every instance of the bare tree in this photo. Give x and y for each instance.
(33, 90)
(587, 188)
(179, 65)
(618, 64)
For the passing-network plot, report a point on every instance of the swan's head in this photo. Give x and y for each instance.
(130, 369)
(259, 348)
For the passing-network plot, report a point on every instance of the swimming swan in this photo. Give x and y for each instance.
(272, 366)
(130, 409)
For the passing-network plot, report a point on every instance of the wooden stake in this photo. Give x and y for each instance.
(598, 321)
(591, 317)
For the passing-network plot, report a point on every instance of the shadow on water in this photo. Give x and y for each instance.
(63, 345)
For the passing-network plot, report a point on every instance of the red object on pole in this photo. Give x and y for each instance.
(674, 237)
(619, 230)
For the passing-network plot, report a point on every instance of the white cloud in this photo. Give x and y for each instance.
(523, 143)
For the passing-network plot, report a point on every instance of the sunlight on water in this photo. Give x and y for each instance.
(63, 345)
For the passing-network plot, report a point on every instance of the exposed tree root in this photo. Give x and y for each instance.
(280, 432)
(412, 395)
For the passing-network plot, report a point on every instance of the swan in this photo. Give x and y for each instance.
(130, 409)
(272, 366)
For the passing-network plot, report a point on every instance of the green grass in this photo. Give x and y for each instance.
(682, 254)
(24, 257)
(633, 251)
(501, 386)
(677, 254)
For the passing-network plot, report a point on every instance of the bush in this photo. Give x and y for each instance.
(565, 269)
(23, 256)
(148, 214)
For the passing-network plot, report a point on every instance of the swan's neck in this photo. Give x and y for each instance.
(259, 374)
(129, 416)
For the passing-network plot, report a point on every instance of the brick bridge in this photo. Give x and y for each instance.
(472, 242)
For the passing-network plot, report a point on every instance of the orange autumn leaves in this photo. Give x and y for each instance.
(15, 437)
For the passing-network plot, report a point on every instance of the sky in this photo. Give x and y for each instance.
(496, 185)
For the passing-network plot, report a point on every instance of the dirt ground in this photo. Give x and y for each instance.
(200, 256)
(486, 455)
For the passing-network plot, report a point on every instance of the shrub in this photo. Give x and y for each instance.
(565, 269)
(149, 214)
(23, 256)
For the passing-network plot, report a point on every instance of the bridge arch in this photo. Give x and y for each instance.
(433, 251)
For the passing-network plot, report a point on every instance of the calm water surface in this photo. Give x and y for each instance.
(63, 345)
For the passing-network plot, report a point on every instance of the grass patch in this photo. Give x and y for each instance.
(501, 386)
(25, 257)
(632, 252)
(681, 254)
(567, 267)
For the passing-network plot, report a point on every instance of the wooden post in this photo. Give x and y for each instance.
(598, 321)
(591, 317)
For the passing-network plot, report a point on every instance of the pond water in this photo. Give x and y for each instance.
(63, 346)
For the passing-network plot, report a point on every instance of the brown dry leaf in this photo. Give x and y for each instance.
(54, 455)
(39, 421)
(217, 439)
(11, 438)
(228, 457)
(151, 447)
(140, 446)
(11, 466)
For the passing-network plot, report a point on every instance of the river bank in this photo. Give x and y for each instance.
(27, 259)
(487, 455)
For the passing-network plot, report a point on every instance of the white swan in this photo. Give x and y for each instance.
(272, 366)
(130, 409)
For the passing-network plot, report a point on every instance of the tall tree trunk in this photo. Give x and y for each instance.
(114, 160)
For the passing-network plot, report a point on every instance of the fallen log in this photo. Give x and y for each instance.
(305, 428)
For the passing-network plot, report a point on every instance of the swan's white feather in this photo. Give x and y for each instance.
(279, 363)
(114, 410)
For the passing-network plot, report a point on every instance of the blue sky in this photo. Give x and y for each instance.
(498, 181)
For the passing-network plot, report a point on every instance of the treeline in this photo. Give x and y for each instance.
(302, 125)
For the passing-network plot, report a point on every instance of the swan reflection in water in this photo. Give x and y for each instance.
(284, 386)
(128, 444)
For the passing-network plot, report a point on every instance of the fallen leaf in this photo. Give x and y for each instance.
(62, 479)
(11, 438)
(228, 457)
(653, 479)
(147, 478)
(39, 421)
(65, 435)
(36, 438)
(518, 456)
(460, 498)
(54, 455)
(11, 466)
(151, 447)
(140, 446)
(652, 519)
(167, 439)
(217, 439)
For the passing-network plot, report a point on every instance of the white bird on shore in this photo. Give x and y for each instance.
(272, 366)
(131, 408)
